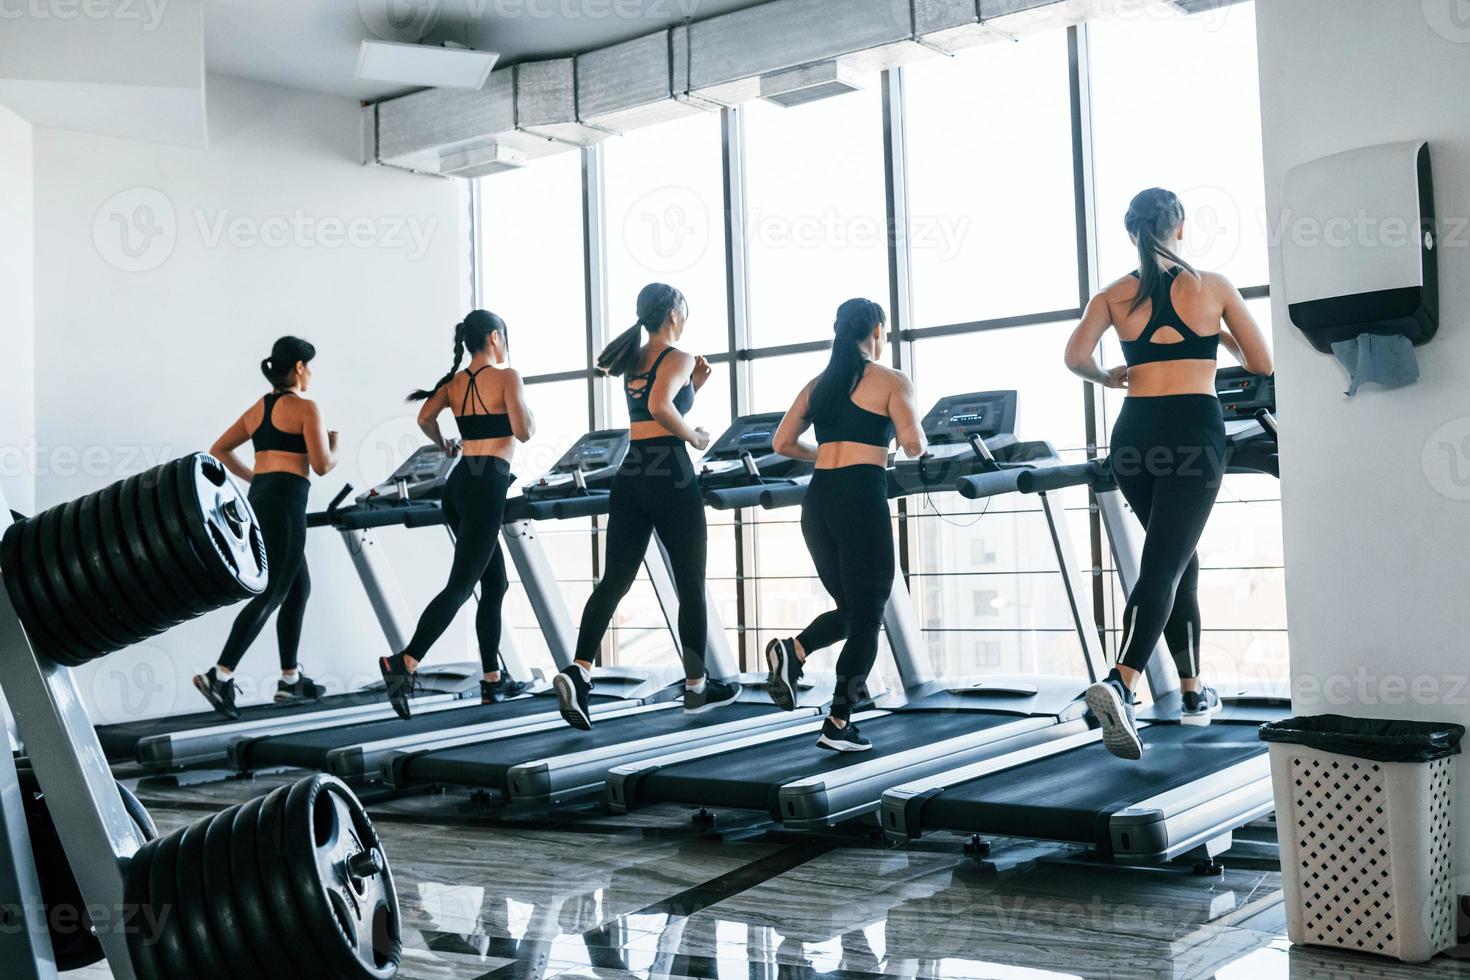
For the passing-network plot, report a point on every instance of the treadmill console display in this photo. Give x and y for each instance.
(421, 477)
(595, 458)
(984, 413)
(752, 437)
(1242, 394)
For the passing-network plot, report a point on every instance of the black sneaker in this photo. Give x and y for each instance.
(220, 694)
(716, 694)
(305, 689)
(1199, 706)
(1111, 704)
(784, 671)
(573, 691)
(844, 739)
(494, 692)
(400, 683)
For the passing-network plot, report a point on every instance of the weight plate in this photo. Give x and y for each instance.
(95, 565)
(73, 561)
(148, 596)
(171, 951)
(70, 651)
(80, 615)
(297, 932)
(217, 895)
(198, 564)
(205, 949)
(13, 567)
(353, 914)
(140, 918)
(226, 527)
(251, 899)
(186, 579)
(139, 503)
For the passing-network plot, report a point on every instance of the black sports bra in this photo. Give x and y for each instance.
(480, 425)
(852, 423)
(268, 439)
(1192, 348)
(638, 397)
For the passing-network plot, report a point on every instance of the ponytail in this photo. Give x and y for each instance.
(1152, 217)
(655, 302)
(471, 334)
(855, 322)
(285, 354)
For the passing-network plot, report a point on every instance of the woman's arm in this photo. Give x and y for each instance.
(522, 422)
(224, 450)
(321, 445)
(788, 441)
(1247, 341)
(905, 414)
(1081, 353)
(673, 374)
(429, 420)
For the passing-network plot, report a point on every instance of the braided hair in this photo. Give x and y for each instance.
(472, 334)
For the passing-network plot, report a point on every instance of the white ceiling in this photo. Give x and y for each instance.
(313, 44)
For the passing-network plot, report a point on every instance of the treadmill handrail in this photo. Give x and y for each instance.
(1092, 473)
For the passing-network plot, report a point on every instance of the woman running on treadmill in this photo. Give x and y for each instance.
(290, 441)
(856, 406)
(489, 406)
(1168, 445)
(655, 490)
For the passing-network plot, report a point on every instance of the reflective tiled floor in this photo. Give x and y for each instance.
(594, 899)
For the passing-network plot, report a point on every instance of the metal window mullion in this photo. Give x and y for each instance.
(737, 338)
(594, 286)
(477, 225)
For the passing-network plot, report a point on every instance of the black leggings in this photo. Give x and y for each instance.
(655, 490)
(1168, 456)
(845, 521)
(474, 509)
(279, 502)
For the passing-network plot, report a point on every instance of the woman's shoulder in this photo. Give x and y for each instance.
(1121, 289)
(889, 376)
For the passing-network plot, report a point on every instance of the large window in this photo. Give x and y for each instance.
(994, 169)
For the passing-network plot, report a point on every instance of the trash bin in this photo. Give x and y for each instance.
(1365, 818)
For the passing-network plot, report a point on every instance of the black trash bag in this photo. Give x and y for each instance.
(1376, 739)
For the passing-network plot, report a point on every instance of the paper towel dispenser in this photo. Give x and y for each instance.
(1358, 245)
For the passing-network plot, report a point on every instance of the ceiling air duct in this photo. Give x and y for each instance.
(809, 83)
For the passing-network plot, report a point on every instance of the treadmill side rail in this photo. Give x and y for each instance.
(1174, 823)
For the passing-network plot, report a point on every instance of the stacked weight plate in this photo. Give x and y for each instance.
(134, 559)
(289, 885)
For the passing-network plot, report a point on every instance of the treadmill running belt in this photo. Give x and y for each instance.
(121, 740)
(750, 779)
(487, 765)
(308, 749)
(1071, 796)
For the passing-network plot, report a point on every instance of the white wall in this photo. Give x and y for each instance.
(17, 316)
(1376, 488)
(164, 274)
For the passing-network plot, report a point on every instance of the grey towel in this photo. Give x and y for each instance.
(1376, 359)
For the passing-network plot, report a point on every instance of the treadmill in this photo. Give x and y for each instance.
(408, 498)
(1193, 787)
(928, 727)
(579, 484)
(553, 767)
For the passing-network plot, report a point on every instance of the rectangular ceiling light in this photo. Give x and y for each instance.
(424, 65)
(809, 83)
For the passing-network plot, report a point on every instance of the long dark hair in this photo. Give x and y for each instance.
(286, 353)
(855, 322)
(471, 334)
(1152, 217)
(655, 302)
